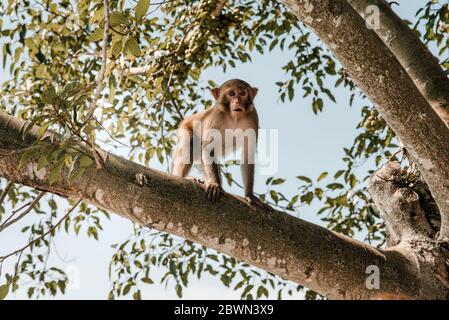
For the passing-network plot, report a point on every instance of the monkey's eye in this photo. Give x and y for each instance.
(232, 93)
(243, 93)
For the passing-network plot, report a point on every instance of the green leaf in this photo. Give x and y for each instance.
(41, 71)
(307, 198)
(96, 35)
(274, 196)
(278, 181)
(126, 290)
(85, 162)
(247, 290)
(141, 9)
(338, 174)
(26, 156)
(30, 292)
(4, 290)
(70, 89)
(305, 179)
(137, 295)
(319, 193)
(172, 267)
(179, 290)
(132, 46)
(335, 186)
(262, 291)
(147, 280)
(55, 173)
(49, 96)
(117, 48)
(41, 131)
(116, 18)
(43, 161)
(77, 175)
(291, 93)
(322, 176)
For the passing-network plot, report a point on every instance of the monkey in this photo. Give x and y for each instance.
(206, 137)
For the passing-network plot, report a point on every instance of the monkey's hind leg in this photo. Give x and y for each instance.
(181, 168)
(183, 155)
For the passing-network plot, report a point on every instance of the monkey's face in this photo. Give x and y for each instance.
(237, 97)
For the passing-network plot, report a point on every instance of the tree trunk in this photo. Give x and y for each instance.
(382, 78)
(414, 56)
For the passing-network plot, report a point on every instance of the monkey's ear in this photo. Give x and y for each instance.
(254, 90)
(216, 93)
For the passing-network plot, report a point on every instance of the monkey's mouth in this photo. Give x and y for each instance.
(237, 110)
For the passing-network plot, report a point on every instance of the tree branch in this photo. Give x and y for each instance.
(412, 53)
(3, 258)
(8, 187)
(9, 222)
(135, 70)
(329, 263)
(382, 78)
(104, 56)
(399, 205)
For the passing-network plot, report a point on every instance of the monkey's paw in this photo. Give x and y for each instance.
(213, 190)
(255, 202)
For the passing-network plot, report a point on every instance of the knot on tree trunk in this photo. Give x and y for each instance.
(403, 208)
(412, 220)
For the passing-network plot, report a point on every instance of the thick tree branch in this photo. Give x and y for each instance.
(399, 205)
(406, 220)
(379, 74)
(329, 263)
(412, 53)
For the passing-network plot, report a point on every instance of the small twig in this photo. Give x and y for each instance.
(104, 55)
(50, 237)
(135, 70)
(110, 135)
(5, 192)
(3, 258)
(16, 269)
(65, 260)
(100, 82)
(154, 10)
(7, 222)
(177, 108)
(401, 150)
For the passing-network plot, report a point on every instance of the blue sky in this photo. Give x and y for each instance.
(308, 145)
